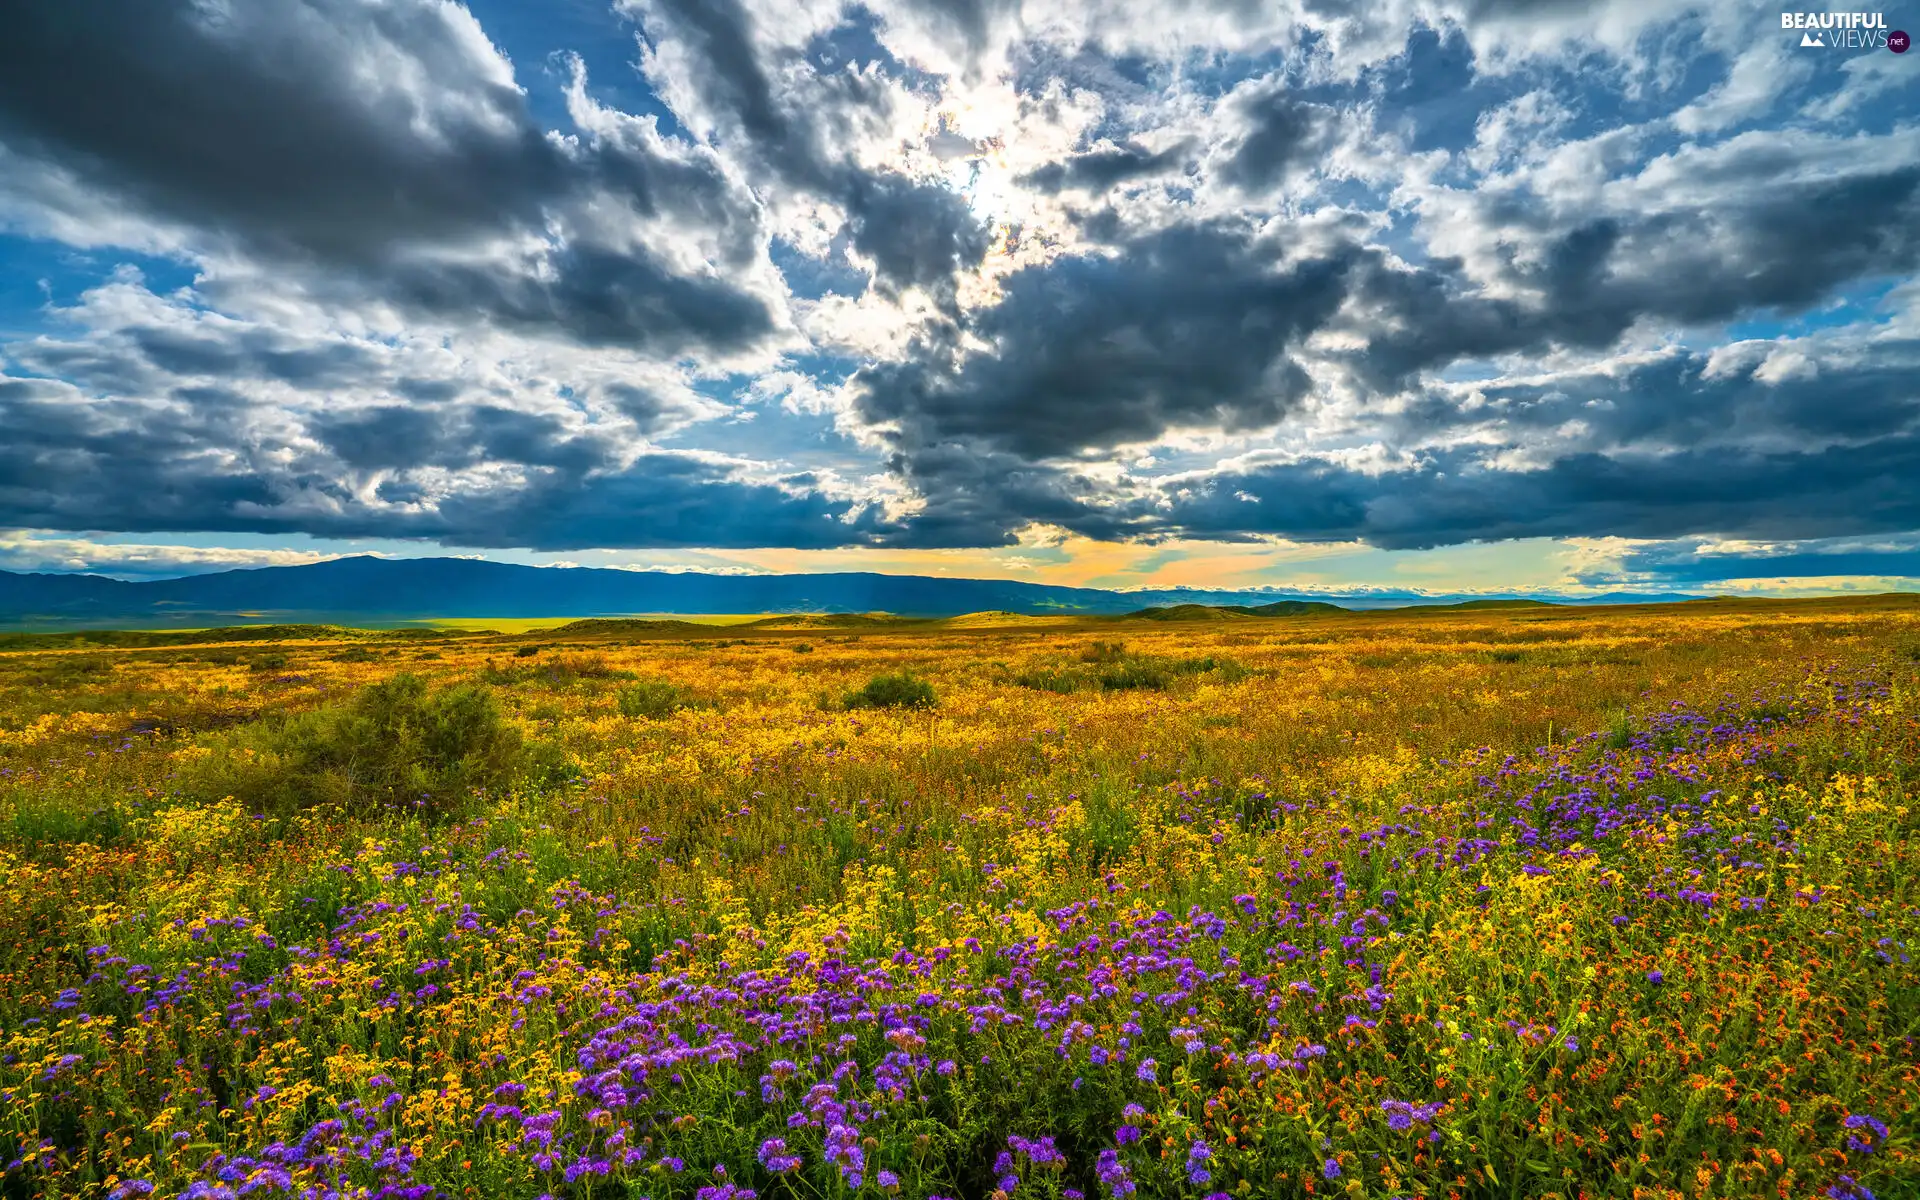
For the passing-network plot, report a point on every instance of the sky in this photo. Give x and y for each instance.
(1451, 295)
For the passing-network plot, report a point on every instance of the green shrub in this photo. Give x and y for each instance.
(525, 651)
(1110, 668)
(550, 767)
(557, 671)
(653, 700)
(803, 648)
(393, 743)
(1619, 730)
(1133, 673)
(1104, 652)
(904, 690)
(1064, 682)
(268, 662)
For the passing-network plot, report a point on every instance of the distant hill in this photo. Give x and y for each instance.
(879, 620)
(1192, 612)
(378, 591)
(997, 620)
(619, 625)
(1298, 608)
(137, 638)
(1478, 605)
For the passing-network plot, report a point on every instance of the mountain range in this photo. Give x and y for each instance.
(372, 590)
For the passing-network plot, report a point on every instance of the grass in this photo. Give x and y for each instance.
(1459, 902)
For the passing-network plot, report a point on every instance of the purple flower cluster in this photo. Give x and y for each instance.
(1113, 1174)
(1866, 1134)
(1403, 1116)
(1198, 1155)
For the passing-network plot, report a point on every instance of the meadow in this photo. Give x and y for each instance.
(1508, 903)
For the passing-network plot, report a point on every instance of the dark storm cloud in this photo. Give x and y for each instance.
(67, 465)
(916, 233)
(1190, 325)
(253, 115)
(662, 501)
(1680, 399)
(389, 437)
(383, 146)
(1098, 170)
(628, 298)
(1277, 134)
(1667, 449)
(395, 437)
(1198, 326)
(1687, 564)
(982, 497)
(1763, 244)
(146, 358)
(1456, 497)
(257, 354)
(142, 467)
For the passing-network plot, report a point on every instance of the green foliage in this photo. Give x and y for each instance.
(1133, 674)
(903, 690)
(653, 700)
(550, 766)
(1619, 731)
(557, 671)
(1064, 682)
(525, 651)
(393, 743)
(46, 826)
(180, 637)
(66, 671)
(803, 648)
(268, 662)
(1111, 668)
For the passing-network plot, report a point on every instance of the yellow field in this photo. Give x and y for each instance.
(1542, 902)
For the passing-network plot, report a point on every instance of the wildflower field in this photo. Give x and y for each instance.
(1512, 903)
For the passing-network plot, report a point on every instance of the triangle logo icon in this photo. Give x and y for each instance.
(1812, 39)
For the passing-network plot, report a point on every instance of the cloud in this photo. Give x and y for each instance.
(1189, 325)
(29, 550)
(211, 462)
(803, 133)
(1659, 446)
(1708, 562)
(1099, 169)
(1408, 274)
(383, 148)
(1275, 135)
